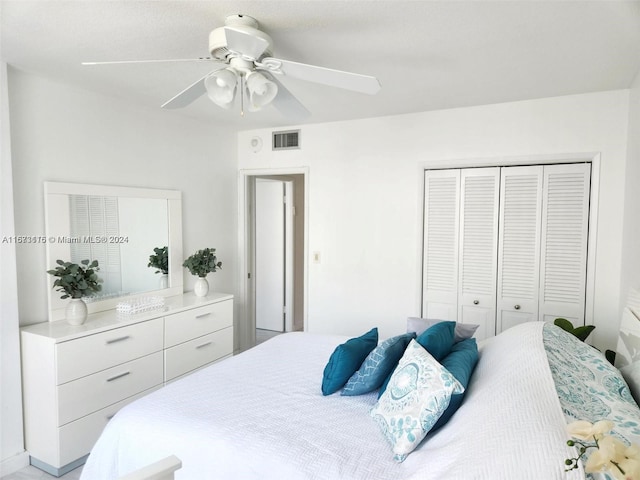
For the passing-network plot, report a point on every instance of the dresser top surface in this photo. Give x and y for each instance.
(61, 331)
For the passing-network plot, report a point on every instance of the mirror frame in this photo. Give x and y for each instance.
(57, 224)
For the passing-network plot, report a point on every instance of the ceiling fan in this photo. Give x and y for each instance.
(244, 65)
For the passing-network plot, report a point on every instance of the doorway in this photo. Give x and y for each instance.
(274, 267)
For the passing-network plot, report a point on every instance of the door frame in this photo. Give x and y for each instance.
(246, 327)
(579, 157)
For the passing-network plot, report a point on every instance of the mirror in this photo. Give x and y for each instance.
(120, 227)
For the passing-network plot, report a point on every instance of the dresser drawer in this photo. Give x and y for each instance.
(91, 393)
(198, 352)
(77, 438)
(83, 356)
(184, 326)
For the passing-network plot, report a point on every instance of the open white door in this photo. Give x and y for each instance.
(270, 254)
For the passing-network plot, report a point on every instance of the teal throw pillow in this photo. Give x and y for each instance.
(346, 359)
(438, 339)
(378, 365)
(418, 393)
(462, 330)
(460, 362)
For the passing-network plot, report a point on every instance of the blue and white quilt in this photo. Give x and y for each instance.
(589, 387)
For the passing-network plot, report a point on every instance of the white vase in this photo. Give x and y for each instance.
(201, 288)
(164, 281)
(76, 311)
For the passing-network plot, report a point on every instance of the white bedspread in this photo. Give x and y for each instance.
(261, 415)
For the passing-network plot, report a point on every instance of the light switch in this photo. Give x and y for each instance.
(316, 257)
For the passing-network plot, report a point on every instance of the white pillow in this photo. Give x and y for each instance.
(462, 331)
(418, 393)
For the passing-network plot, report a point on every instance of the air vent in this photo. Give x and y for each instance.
(286, 140)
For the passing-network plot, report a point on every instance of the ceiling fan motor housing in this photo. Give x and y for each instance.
(218, 40)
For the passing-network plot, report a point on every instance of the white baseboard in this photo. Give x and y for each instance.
(13, 464)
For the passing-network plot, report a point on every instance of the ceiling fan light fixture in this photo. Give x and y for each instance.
(221, 87)
(261, 90)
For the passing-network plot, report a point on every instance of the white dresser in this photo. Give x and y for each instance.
(75, 378)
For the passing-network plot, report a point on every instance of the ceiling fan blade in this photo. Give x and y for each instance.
(189, 94)
(287, 104)
(326, 76)
(244, 43)
(123, 62)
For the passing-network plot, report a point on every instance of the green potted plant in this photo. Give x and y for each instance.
(202, 263)
(76, 281)
(160, 261)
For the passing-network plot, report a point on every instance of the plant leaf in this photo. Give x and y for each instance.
(564, 324)
(583, 332)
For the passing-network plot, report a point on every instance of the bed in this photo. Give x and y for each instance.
(261, 415)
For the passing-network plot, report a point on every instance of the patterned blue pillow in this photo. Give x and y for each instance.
(460, 362)
(417, 394)
(438, 339)
(378, 365)
(346, 359)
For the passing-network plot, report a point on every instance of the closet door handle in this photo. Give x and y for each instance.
(476, 302)
(517, 307)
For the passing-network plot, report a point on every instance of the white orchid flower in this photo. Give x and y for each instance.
(610, 452)
(584, 430)
(630, 467)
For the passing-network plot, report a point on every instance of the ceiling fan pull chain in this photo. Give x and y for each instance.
(242, 95)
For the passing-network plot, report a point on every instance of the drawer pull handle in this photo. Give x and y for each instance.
(204, 345)
(119, 339)
(118, 376)
(203, 315)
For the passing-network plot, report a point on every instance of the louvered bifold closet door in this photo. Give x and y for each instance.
(519, 246)
(565, 225)
(441, 223)
(479, 188)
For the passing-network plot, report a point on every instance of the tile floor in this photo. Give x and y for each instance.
(32, 473)
(264, 335)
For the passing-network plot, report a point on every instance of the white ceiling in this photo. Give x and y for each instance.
(427, 54)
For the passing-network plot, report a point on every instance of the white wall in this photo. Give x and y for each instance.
(631, 239)
(365, 188)
(65, 134)
(60, 133)
(12, 455)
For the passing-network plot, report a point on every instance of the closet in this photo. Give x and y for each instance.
(506, 245)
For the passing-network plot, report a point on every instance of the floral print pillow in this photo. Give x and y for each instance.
(417, 394)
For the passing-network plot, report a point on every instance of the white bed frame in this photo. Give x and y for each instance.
(160, 470)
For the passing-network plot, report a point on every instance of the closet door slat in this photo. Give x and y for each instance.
(565, 226)
(478, 248)
(441, 223)
(519, 245)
